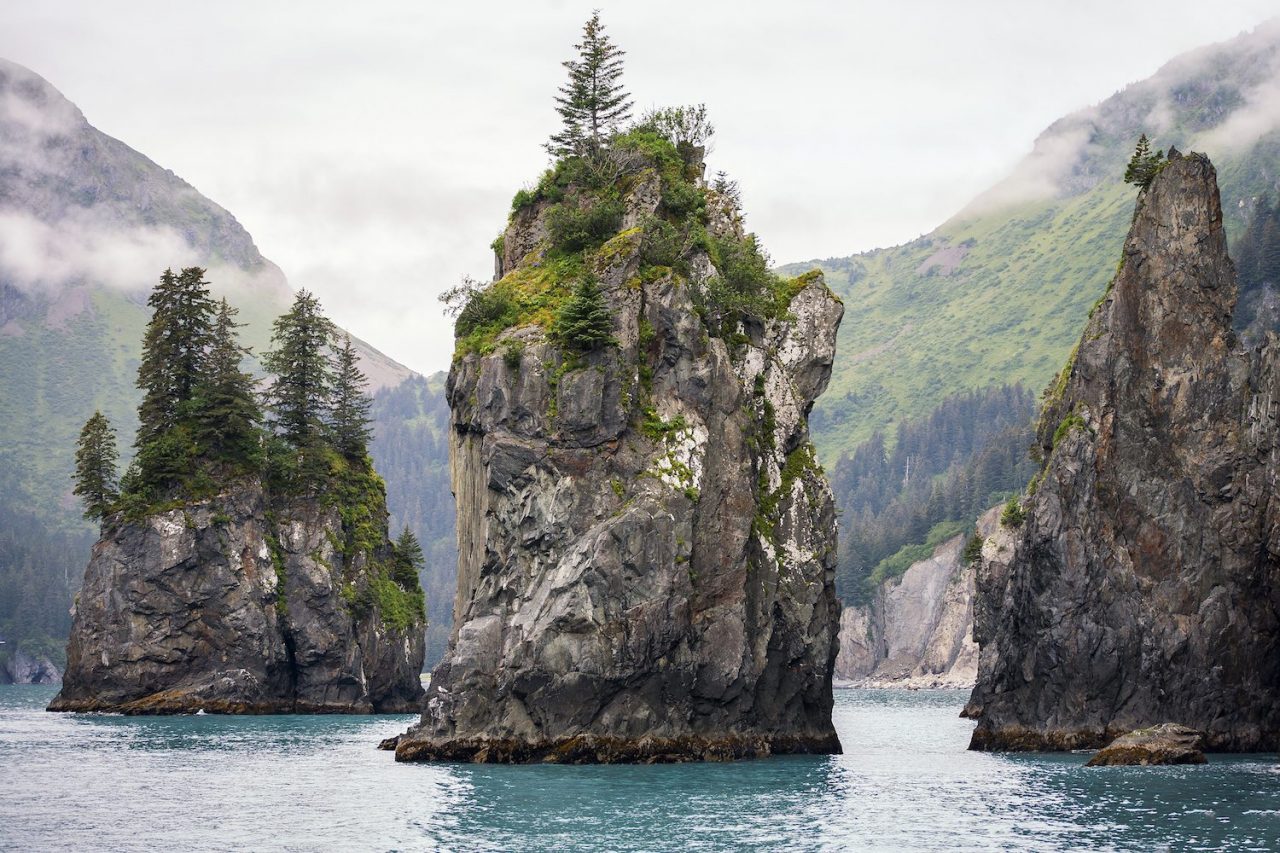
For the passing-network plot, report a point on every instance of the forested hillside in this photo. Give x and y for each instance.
(899, 499)
(997, 294)
(410, 448)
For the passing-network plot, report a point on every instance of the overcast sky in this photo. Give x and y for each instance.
(372, 148)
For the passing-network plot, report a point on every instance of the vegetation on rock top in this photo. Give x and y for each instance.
(202, 430)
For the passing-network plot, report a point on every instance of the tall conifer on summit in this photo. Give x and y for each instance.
(301, 391)
(174, 348)
(349, 420)
(592, 103)
(96, 467)
(227, 417)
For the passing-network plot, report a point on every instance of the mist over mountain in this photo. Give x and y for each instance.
(87, 224)
(995, 294)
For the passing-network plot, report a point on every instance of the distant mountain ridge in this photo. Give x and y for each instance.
(996, 294)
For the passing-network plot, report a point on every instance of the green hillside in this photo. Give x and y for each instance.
(998, 294)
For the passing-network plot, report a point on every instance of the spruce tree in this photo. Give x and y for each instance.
(585, 323)
(174, 349)
(302, 385)
(1143, 165)
(96, 467)
(408, 559)
(349, 420)
(592, 103)
(227, 416)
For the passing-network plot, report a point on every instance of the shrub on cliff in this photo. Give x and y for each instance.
(583, 225)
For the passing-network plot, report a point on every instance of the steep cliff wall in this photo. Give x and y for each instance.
(239, 605)
(647, 546)
(1143, 585)
(917, 631)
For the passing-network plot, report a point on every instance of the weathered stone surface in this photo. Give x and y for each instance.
(917, 631)
(1167, 743)
(1144, 584)
(625, 594)
(184, 611)
(21, 667)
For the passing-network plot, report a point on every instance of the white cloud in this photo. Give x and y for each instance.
(372, 149)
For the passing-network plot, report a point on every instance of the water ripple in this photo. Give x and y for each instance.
(99, 782)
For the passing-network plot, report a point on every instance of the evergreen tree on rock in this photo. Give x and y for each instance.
(1143, 165)
(300, 392)
(350, 421)
(174, 349)
(228, 418)
(95, 477)
(585, 322)
(592, 103)
(408, 558)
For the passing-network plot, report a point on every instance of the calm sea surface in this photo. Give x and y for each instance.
(316, 783)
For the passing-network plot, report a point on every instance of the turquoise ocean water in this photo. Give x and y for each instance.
(905, 782)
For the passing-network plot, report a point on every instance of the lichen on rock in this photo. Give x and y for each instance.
(646, 543)
(1143, 584)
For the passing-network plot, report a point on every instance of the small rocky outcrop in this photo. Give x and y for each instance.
(1143, 583)
(646, 543)
(242, 605)
(1167, 743)
(22, 667)
(917, 630)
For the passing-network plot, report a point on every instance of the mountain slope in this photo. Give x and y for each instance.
(87, 224)
(996, 294)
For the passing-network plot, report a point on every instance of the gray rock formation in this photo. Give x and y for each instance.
(647, 546)
(232, 605)
(917, 631)
(1144, 584)
(1167, 743)
(21, 667)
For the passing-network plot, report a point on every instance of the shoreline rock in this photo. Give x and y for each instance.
(1167, 743)
(1141, 586)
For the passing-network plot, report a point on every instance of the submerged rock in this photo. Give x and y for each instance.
(235, 605)
(1143, 584)
(1167, 743)
(646, 543)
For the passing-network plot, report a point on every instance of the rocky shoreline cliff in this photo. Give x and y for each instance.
(243, 605)
(1143, 584)
(917, 629)
(647, 544)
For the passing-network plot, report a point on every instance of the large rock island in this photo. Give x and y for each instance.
(1143, 584)
(646, 543)
(242, 605)
(242, 569)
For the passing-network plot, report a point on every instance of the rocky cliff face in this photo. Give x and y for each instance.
(917, 631)
(1143, 586)
(647, 546)
(236, 605)
(22, 667)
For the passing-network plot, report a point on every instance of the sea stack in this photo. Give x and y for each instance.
(646, 542)
(1138, 582)
(240, 604)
